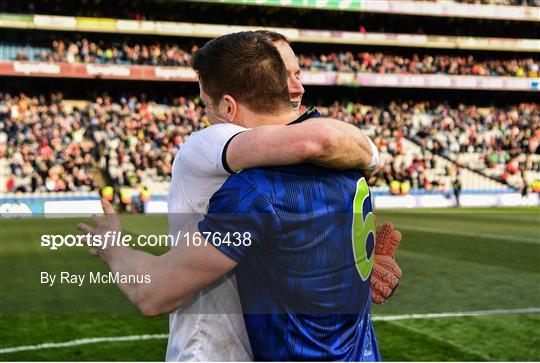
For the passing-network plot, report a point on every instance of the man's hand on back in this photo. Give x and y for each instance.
(386, 272)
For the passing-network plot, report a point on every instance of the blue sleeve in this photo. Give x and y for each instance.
(239, 206)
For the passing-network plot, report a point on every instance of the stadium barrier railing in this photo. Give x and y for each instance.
(186, 74)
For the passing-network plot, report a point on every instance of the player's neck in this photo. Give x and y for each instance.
(253, 119)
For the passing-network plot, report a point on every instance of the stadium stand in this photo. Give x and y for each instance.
(215, 12)
(56, 145)
(85, 51)
(505, 139)
(158, 54)
(426, 64)
(73, 145)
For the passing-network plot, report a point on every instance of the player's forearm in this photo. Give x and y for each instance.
(325, 142)
(131, 262)
(269, 146)
(174, 276)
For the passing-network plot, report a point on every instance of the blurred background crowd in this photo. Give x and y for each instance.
(57, 145)
(77, 135)
(163, 54)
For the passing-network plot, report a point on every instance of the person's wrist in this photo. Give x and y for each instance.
(110, 253)
(374, 156)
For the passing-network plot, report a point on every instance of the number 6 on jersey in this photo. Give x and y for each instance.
(363, 230)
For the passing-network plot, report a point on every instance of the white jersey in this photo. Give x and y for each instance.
(211, 326)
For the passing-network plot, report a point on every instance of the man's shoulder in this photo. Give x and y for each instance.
(202, 150)
(214, 133)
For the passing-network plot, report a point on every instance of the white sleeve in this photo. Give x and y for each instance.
(201, 155)
(198, 171)
(375, 158)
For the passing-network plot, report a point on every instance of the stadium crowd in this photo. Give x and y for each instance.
(378, 62)
(45, 145)
(55, 145)
(52, 145)
(498, 136)
(86, 51)
(397, 162)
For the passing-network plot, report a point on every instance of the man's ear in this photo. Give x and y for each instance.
(230, 107)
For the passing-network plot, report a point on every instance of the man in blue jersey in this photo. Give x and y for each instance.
(307, 240)
(304, 261)
(300, 239)
(386, 272)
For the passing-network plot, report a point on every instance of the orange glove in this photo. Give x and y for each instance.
(386, 272)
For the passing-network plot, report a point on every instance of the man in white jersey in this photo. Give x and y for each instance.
(211, 326)
(209, 323)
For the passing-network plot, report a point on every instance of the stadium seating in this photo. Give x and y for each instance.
(55, 145)
(86, 51)
(132, 142)
(377, 62)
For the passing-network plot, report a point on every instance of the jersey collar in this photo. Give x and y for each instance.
(310, 113)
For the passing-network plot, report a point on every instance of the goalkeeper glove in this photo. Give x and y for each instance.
(386, 272)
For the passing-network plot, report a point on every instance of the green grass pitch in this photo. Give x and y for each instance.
(454, 260)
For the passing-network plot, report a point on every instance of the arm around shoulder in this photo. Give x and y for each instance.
(325, 142)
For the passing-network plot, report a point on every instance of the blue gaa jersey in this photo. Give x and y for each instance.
(304, 260)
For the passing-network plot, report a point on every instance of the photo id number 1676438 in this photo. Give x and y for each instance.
(217, 239)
